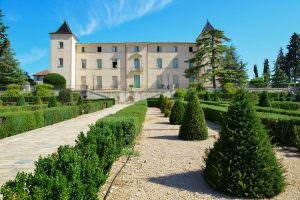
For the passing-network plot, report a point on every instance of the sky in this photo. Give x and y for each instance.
(257, 28)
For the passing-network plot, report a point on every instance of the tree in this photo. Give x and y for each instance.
(264, 100)
(209, 52)
(266, 71)
(57, 80)
(194, 125)
(242, 162)
(10, 73)
(292, 59)
(280, 61)
(177, 113)
(279, 78)
(258, 82)
(255, 71)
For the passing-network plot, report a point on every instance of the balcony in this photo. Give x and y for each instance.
(135, 70)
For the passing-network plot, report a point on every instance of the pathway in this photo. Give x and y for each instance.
(168, 168)
(18, 153)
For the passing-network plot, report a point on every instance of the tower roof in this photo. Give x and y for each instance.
(207, 27)
(64, 29)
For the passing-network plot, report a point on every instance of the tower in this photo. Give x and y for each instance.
(63, 54)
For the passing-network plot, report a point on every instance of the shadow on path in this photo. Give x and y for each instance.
(165, 137)
(289, 151)
(191, 181)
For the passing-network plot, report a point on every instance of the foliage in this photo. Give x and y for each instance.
(194, 125)
(207, 96)
(180, 93)
(79, 101)
(264, 100)
(209, 52)
(177, 113)
(21, 101)
(65, 96)
(13, 90)
(229, 88)
(161, 102)
(43, 90)
(279, 79)
(39, 101)
(297, 99)
(52, 102)
(57, 80)
(167, 106)
(1, 103)
(257, 83)
(266, 72)
(292, 58)
(242, 162)
(255, 71)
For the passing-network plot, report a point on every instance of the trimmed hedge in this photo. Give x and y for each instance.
(288, 105)
(21, 108)
(12, 123)
(78, 172)
(28, 99)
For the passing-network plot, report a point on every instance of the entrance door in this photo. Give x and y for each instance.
(137, 81)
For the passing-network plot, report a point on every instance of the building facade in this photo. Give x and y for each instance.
(134, 66)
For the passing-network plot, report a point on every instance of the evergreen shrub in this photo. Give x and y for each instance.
(177, 113)
(21, 101)
(52, 102)
(264, 99)
(65, 96)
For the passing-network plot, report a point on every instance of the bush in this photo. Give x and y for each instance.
(282, 96)
(161, 102)
(153, 102)
(207, 97)
(21, 101)
(285, 105)
(79, 101)
(180, 93)
(57, 80)
(242, 162)
(44, 90)
(167, 113)
(264, 99)
(52, 102)
(13, 90)
(39, 101)
(1, 103)
(194, 125)
(229, 88)
(177, 113)
(65, 96)
(257, 83)
(297, 99)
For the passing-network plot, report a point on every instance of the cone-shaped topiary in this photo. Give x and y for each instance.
(21, 101)
(177, 113)
(194, 125)
(207, 97)
(52, 102)
(161, 102)
(39, 101)
(264, 100)
(282, 97)
(242, 162)
(297, 99)
(79, 101)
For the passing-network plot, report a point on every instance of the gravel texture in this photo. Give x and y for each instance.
(168, 168)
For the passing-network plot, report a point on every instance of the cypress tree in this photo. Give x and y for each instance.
(293, 58)
(177, 113)
(194, 125)
(255, 71)
(266, 71)
(242, 162)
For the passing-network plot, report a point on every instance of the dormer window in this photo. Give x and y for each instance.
(61, 45)
(82, 49)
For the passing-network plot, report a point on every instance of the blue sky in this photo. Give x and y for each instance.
(257, 28)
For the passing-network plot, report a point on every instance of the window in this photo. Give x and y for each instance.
(83, 63)
(159, 63)
(137, 81)
(99, 82)
(99, 49)
(175, 63)
(114, 49)
(82, 49)
(136, 63)
(61, 45)
(99, 63)
(115, 63)
(159, 82)
(175, 49)
(158, 48)
(114, 82)
(190, 49)
(136, 49)
(60, 62)
(176, 81)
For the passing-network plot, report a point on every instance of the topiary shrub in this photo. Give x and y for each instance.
(282, 96)
(12, 90)
(39, 101)
(167, 106)
(189, 93)
(57, 80)
(44, 90)
(52, 102)
(207, 97)
(297, 99)
(229, 88)
(264, 99)
(79, 101)
(1, 103)
(242, 162)
(194, 125)
(161, 102)
(177, 113)
(167, 113)
(180, 93)
(21, 101)
(65, 96)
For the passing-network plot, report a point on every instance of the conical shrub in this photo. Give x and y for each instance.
(39, 101)
(207, 97)
(177, 113)
(161, 102)
(242, 162)
(194, 125)
(21, 101)
(52, 102)
(264, 100)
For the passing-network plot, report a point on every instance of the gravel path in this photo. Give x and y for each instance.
(19, 152)
(168, 168)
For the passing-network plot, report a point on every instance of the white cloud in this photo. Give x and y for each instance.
(32, 56)
(90, 15)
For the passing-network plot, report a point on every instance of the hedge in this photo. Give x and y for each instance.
(21, 108)
(288, 105)
(282, 128)
(12, 123)
(28, 99)
(78, 172)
